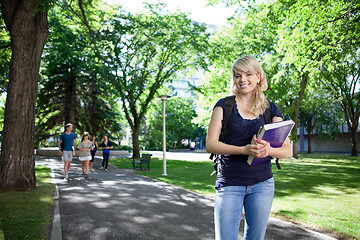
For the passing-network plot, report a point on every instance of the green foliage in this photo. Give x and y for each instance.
(294, 41)
(313, 34)
(180, 113)
(341, 77)
(144, 51)
(320, 112)
(252, 34)
(5, 55)
(123, 147)
(216, 85)
(72, 87)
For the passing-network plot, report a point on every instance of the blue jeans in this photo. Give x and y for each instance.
(229, 203)
(105, 160)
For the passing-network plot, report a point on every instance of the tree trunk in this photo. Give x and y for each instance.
(135, 139)
(352, 121)
(303, 84)
(309, 143)
(28, 32)
(309, 137)
(94, 106)
(70, 100)
(354, 148)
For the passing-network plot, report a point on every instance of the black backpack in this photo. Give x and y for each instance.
(229, 102)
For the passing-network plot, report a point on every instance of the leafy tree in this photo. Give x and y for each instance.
(145, 51)
(180, 113)
(312, 35)
(72, 89)
(216, 84)
(342, 77)
(27, 24)
(308, 35)
(251, 33)
(320, 112)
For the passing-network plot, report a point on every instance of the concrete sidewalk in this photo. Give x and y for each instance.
(120, 204)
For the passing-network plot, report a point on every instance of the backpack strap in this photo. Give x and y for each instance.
(267, 114)
(229, 103)
(228, 109)
(277, 163)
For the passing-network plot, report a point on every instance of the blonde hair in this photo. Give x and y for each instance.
(250, 64)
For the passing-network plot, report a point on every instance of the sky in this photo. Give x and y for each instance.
(216, 14)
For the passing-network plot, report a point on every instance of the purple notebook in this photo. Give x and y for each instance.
(275, 134)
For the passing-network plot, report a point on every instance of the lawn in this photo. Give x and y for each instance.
(27, 215)
(319, 190)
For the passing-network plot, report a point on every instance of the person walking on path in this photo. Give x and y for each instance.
(85, 146)
(238, 185)
(67, 147)
(93, 151)
(105, 146)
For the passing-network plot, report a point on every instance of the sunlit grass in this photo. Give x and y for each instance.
(319, 190)
(322, 191)
(27, 215)
(192, 175)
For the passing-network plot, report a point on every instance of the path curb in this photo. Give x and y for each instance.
(56, 225)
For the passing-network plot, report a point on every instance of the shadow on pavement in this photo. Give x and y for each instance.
(120, 204)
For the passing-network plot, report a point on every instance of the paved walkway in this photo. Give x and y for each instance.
(120, 204)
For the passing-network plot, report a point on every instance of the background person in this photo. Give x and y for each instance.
(105, 146)
(93, 151)
(85, 147)
(238, 185)
(67, 140)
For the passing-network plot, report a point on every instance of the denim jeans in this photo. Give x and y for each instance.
(256, 201)
(105, 160)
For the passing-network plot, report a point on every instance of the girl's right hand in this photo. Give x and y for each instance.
(257, 148)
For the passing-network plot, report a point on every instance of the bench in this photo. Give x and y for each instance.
(145, 159)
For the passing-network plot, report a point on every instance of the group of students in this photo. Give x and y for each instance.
(87, 150)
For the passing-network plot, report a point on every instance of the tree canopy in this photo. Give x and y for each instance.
(72, 87)
(144, 51)
(180, 114)
(293, 40)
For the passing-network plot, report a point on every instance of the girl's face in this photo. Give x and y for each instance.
(246, 81)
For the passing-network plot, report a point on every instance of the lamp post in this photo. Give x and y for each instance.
(163, 99)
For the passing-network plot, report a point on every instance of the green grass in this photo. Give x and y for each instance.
(192, 175)
(27, 215)
(319, 190)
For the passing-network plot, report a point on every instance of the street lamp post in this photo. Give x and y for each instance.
(163, 99)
